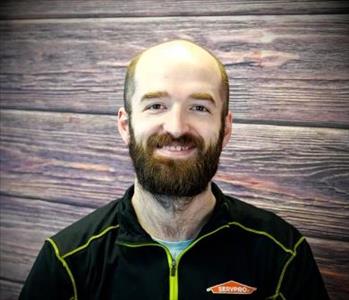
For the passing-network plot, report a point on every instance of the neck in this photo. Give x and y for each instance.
(172, 218)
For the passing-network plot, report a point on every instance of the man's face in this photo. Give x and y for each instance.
(176, 127)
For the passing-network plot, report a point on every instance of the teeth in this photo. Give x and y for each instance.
(176, 148)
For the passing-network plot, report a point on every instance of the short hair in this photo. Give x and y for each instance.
(130, 84)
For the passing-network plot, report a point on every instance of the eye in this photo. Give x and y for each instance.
(155, 107)
(199, 108)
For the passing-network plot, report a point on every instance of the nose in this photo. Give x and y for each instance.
(176, 123)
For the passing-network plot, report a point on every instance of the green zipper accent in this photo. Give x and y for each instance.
(174, 278)
(172, 265)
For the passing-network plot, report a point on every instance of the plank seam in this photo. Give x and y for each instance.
(11, 280)
(142, 16)
(13, 195)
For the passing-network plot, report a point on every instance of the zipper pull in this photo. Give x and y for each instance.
(173, 268)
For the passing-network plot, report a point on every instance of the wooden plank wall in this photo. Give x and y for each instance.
(62, 69)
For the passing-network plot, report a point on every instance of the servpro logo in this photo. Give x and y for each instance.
(232, 287)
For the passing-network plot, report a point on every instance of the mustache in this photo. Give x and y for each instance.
(166, 139)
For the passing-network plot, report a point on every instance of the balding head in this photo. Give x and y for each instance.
(180, 53)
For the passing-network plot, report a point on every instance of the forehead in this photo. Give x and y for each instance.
(177, 66)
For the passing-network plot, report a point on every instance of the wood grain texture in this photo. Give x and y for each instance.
(24, 233)
(332, 259)
(282, 68)
(25, 224)
(108, 8)
(300, 173)
(9, 290)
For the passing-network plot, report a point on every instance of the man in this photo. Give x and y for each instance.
(174, 234)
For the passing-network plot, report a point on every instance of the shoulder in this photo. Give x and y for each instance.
(262, 224)
(96, 225)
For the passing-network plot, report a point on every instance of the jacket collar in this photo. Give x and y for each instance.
(131, 231)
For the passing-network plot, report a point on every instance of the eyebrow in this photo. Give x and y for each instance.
(203, 96)
(154, 95)
(163, 94)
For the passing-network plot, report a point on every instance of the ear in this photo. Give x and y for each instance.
(123, 125)
(227, 128)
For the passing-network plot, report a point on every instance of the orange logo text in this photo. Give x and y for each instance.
(232, 287)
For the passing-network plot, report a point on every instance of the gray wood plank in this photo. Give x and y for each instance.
(80, 8)
(26, 223)
(335, 273)
(299, 173)
(9, 290)
(282, 68)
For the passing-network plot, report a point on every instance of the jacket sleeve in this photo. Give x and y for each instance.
(48, 278)
(301, 278)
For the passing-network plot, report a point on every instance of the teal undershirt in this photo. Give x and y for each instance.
(175, 248)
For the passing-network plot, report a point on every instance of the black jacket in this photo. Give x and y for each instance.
(243, 252)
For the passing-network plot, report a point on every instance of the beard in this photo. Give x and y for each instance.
(175, 177)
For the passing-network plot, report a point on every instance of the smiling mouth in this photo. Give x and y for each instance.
(175, 150)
